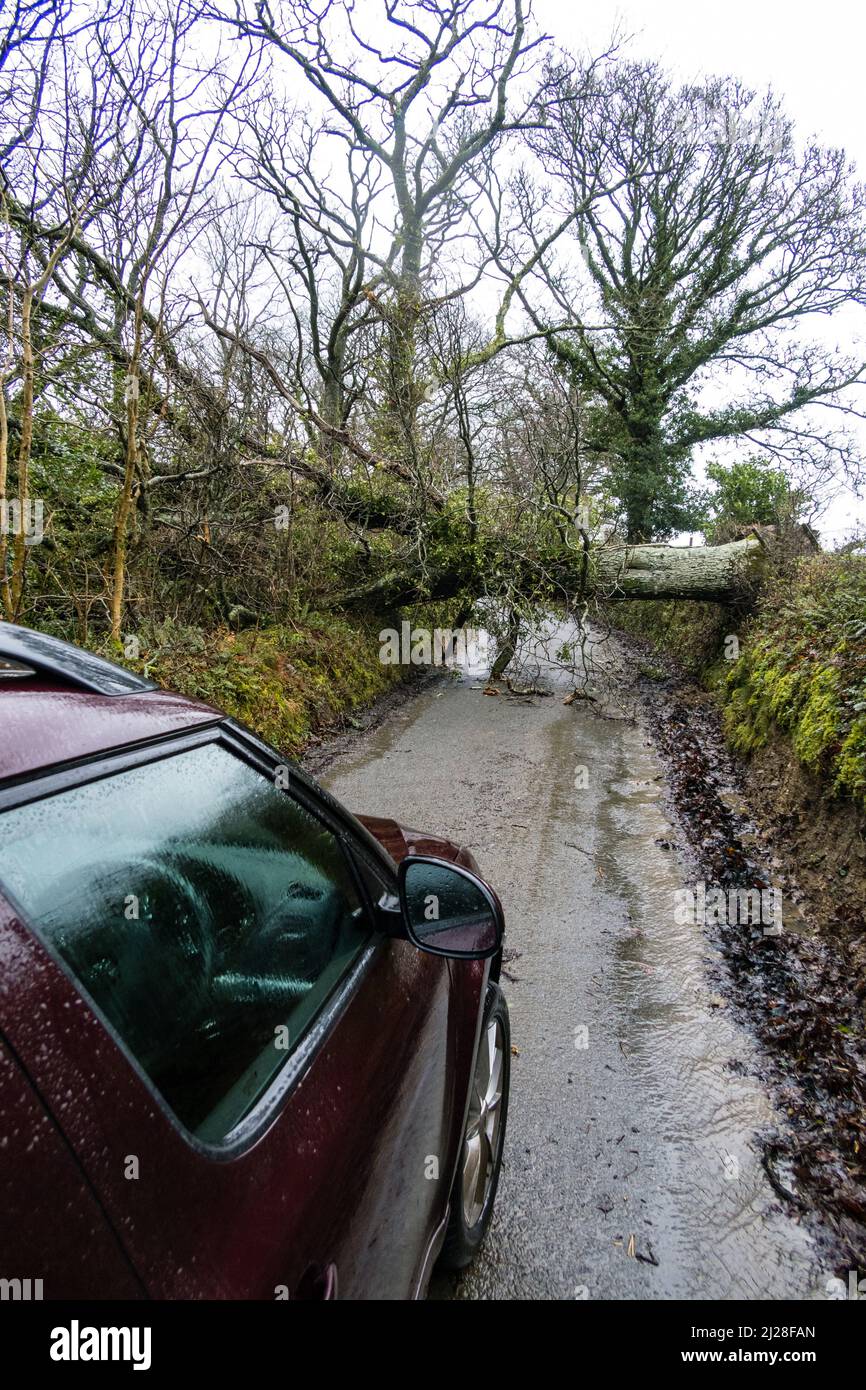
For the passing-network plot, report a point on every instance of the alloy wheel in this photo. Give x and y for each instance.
(481, 1141)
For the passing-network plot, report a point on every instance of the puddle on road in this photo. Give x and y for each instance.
(716, 1225)
(712, 1221)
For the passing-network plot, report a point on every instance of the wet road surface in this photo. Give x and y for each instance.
(631, 1168)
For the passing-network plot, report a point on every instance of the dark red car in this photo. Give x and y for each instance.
(251, 1046)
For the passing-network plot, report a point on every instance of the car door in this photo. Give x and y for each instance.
(49, 1218)
(265, 1108)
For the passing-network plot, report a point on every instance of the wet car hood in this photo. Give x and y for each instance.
(401, 840)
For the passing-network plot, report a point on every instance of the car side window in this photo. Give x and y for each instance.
(207, 914)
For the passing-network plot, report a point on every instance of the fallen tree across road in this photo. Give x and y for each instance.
(717, 573)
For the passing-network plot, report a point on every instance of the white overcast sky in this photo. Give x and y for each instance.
(813, 56)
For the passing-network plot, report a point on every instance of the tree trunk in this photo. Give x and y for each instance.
(712, 573)
(709, 573)
(25, 441)
(507, 648)
(5, 588)
(124, 507)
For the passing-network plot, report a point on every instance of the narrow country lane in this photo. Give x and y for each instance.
(631, 1168)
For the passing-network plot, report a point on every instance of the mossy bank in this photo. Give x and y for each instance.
(789, 678)
(288, 682)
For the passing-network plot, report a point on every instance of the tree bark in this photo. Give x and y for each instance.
(25, 441)
(711, 573)
(124, 507)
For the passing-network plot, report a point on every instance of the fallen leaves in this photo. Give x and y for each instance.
(799, 992)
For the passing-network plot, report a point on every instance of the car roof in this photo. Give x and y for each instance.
(43, 723)
(59, 703)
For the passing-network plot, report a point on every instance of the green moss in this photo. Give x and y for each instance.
(851, 762)
(783, 693)
(285, 683)
(816, 726)
(746, 717)
(714, 676)
(692, 632)
(803, 672)
(801, 669)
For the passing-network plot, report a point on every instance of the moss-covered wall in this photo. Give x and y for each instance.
(801, 668)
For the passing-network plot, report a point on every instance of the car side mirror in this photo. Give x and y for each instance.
(447, 910)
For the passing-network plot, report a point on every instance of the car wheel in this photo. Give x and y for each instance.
(480, 1159)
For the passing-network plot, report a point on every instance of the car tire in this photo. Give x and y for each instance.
(472, 1199)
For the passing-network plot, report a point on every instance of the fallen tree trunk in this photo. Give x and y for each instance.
(712, 573)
